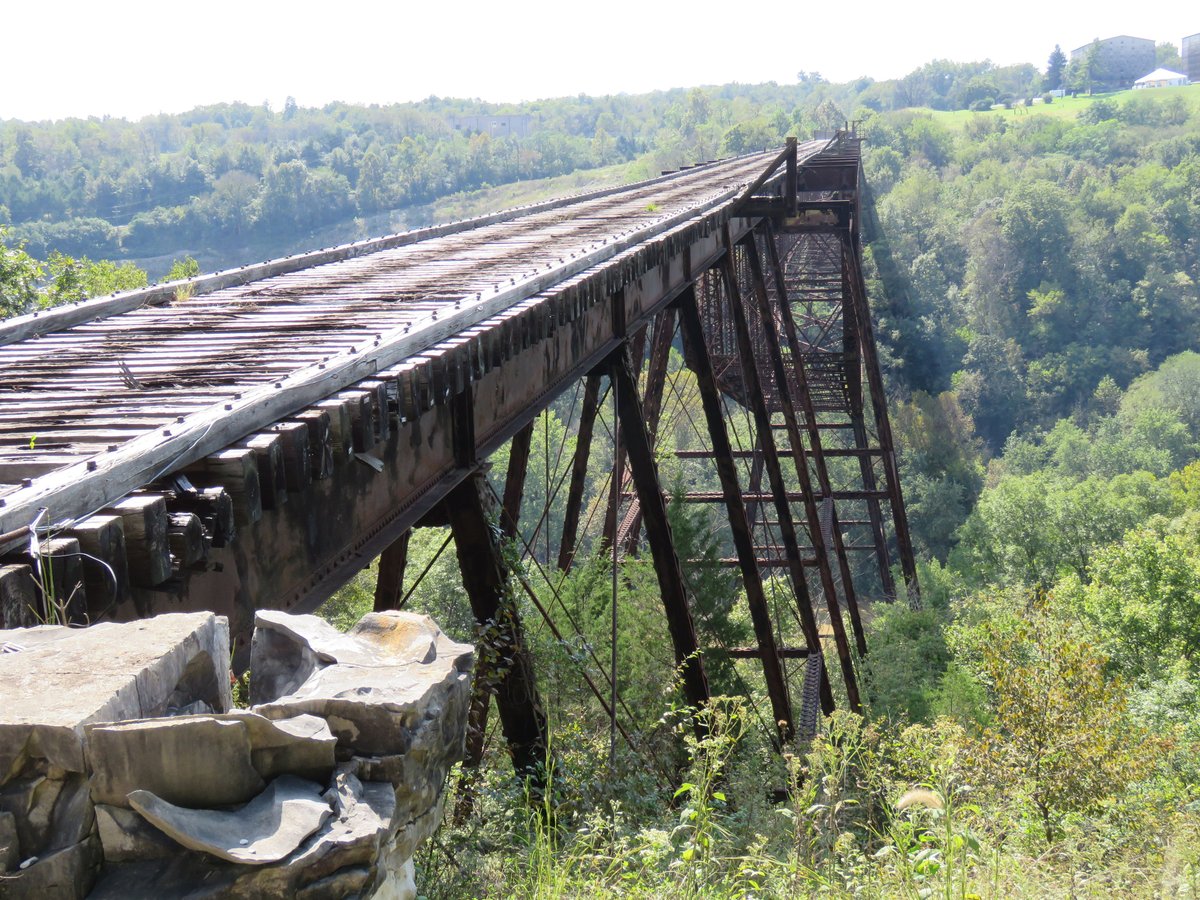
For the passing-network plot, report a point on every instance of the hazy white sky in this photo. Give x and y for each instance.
(132, 58)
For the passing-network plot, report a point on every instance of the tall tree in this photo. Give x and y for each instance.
(1055, 67)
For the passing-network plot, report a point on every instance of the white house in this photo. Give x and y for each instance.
(1161, 78)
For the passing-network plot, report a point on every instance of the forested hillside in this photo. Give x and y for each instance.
(232, 183)
(1035, 274)
(1033, 268)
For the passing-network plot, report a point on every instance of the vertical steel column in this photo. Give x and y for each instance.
(756, 474)
(760, 615)
(852, 345)
(787, 528)
(389, 583)
(612, 513)
(883, 426)
(791, 178)
(817, 533)
(656, 381)
(658, 530)
(514, 481)
(485, 577)
(579, 465)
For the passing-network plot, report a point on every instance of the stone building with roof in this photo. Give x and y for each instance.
(1190, 51)
(1120, 60)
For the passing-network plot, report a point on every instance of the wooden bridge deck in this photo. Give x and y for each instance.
(251, 439)
(71, 394)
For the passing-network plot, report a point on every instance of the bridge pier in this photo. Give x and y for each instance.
(389, 578)
(486, 580)
(658, 529)
(696, 352)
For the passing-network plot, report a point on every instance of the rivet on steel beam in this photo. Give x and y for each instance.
(112, 448)
(229, 406)
(179, 418)
(278, 384)
(166, 432)
(26, 482)
(91, 465)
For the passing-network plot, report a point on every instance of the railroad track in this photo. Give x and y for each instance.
(106, 396)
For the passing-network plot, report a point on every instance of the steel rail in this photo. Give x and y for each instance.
(40, 322)
(79, 489)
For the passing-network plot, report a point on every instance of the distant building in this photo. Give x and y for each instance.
(1161, 78)
(496, 126)
(1119, 60)
(1191, 57)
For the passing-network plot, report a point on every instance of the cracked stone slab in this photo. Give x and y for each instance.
(286, 649)
(125, 835)
(399, 674)
(196, 761)
(64, 678)
(267, 829)
(205, 761)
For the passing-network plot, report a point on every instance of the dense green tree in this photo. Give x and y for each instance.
(1166, 56)
(1059, 735)
(1055, 68)
(1030, 529)
(19, 276)
(1143, 598)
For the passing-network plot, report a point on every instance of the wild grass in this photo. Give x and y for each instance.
(1066, 107)
(872, 812)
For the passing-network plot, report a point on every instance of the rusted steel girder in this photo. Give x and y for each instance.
(656, 380)
(782, 383)
(514, 481)
(817, 449)
(579, 464)
(658, 531)
(389, 581)
(504, 664)
(857, 294)
(760, 615)
(762, 418)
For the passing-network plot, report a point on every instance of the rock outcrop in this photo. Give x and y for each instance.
(124, 772)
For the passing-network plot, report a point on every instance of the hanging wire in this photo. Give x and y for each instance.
(616, 500)
(548, 621)
(428, 567)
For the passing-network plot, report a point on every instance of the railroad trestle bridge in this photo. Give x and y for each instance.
(255, 437)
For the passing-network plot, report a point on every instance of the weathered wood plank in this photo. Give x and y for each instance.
(105, 568)
(185, 536)
(20, 600)
(144, 519)
(235, 470)
(272, 477)
(297, 465)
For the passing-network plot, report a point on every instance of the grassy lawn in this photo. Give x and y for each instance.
(1068, 107)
